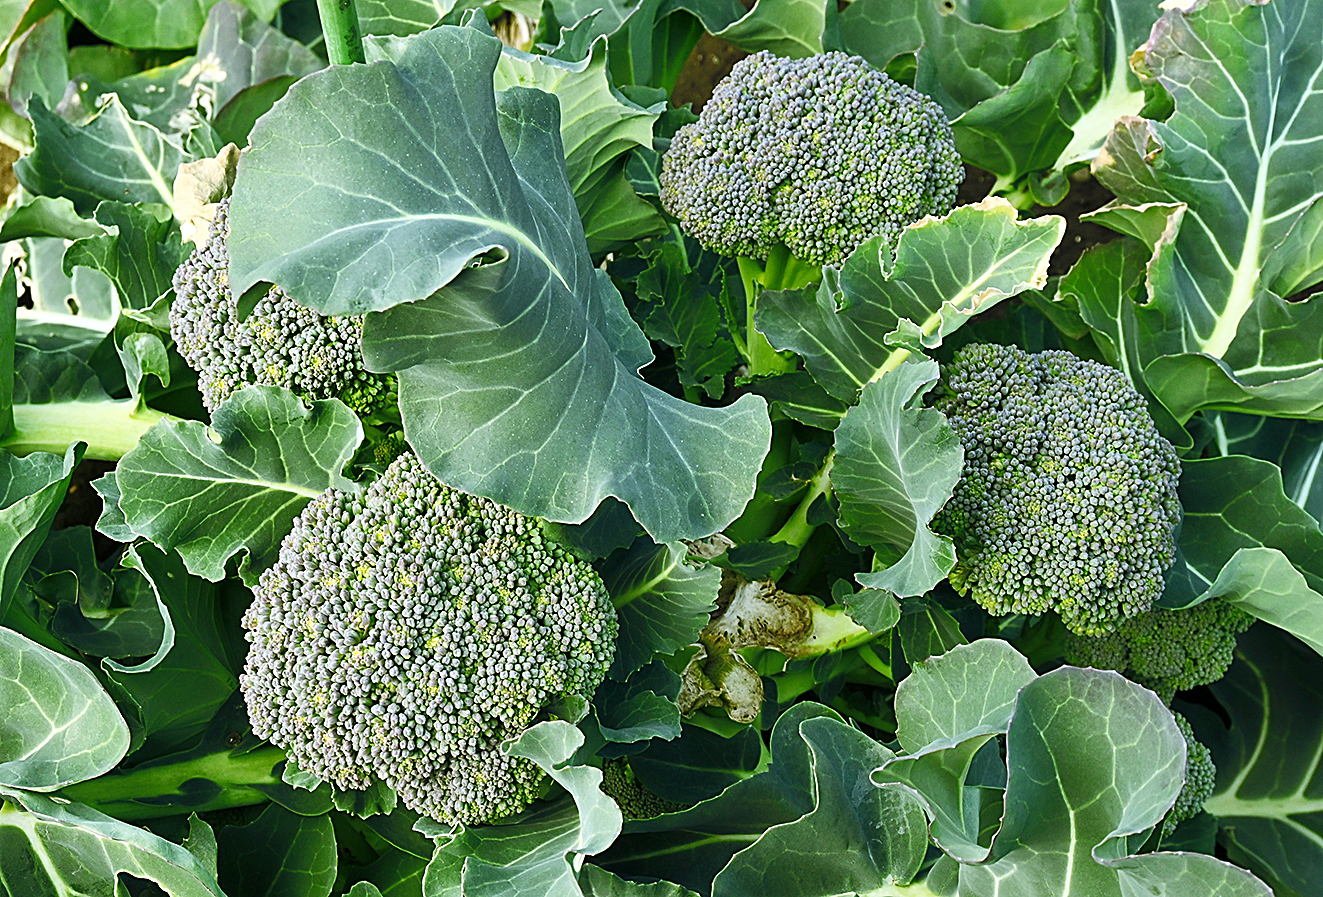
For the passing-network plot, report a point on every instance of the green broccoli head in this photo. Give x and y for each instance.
(280, 343)
(406, 632)
(1200, 776)
(635, 800)
(1067, 500)
(816, 154)
(1167, 650)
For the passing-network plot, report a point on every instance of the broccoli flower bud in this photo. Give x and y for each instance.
(405, 633)
(1067, 500)
(816, 154)
(280, 343)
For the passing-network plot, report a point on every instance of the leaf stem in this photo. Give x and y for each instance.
(344, 41)
(797, 530)
(110, 428)
(146, 791)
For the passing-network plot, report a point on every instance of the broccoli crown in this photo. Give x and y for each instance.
(817, 154)
(1200, 776)
(635, 800)
(1167, 650)
(407, 631)
(1068, 499)
(280, 343)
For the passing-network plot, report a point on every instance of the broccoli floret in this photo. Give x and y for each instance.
(280, 343)
(406, 632)
(636, 800)
(816, 154)
(1200, 776)
(1167, 650)
(1067, 501)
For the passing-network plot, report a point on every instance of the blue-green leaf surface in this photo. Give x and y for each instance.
(279, 854)
(153, 23)
(1267, 801)
(56, 849)
(946, 711)
(60, 726)
(1238, 163)
(880, 312)
(1092, 759)
(896, 464)
(31, 490)
(662, 600)
(213, 492)
(518, 379)
(112, 156)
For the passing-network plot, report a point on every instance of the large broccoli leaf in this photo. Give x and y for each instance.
(235, 487)
(60, 725)
(1267, 803)
(517, 377)
(1235, 180)
(154, 23)
(879, 311)
(896, 465)
(55, 848)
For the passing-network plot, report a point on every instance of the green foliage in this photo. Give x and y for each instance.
(458, 500)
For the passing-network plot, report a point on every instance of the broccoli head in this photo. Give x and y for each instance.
(816, 154)
(635, 800)
(404, 633)
(1167, 650)
(1200, 776)
(280, 343)
(1067, 500)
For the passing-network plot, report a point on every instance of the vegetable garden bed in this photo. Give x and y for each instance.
(661, 448)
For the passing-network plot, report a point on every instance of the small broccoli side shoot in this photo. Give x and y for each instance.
(280, 343)
(1067, 501)
(406, 632)
(816, 155)
(1167, 650)
(1200, 777)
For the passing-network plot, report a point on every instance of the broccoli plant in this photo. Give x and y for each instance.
(794, 163)
(531, 486)
(406, 632)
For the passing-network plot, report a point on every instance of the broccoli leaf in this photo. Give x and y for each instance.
(598, 129)
(946, 711)
(805, 819)
(878, 312)
(663, 602)
(31, 490)
(278, 853)
(537, 851)
(56, 848)
(112, 156)
(211, 497)
(1240, 235)
(60, 725)
(1270, 816)
(1082, 781)
(534, 348)
(896, 465)
(138, 252)
(154, 23)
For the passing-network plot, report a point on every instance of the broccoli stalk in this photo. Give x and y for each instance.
(783, 271)
(159, 788)
(110, 427)
(340, 30)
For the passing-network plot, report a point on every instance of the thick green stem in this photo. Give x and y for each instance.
(110, 428)
(782, 271)
(145, 792)
(344, 41)
(797, 530)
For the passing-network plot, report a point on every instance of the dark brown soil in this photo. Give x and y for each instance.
(711, 60)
